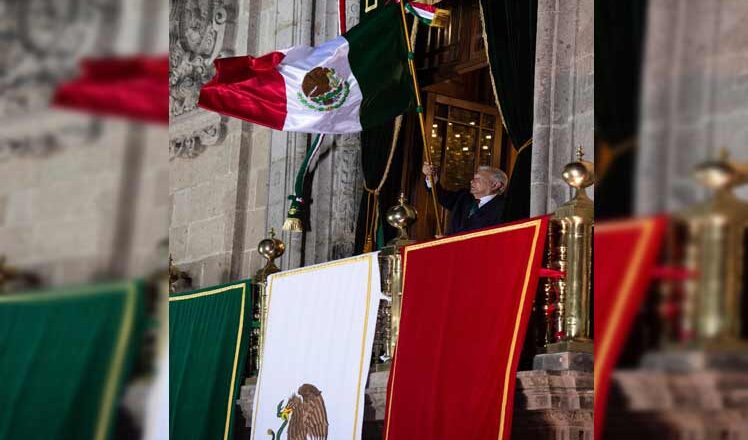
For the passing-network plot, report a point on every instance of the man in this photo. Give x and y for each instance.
(480, 207)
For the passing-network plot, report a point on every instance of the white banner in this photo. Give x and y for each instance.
(318, 342)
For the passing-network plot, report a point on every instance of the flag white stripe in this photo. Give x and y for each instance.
(424, 13)
(301, 60)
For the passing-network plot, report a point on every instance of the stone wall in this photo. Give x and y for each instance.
(564, 97)
(694, 95)
(69, 179)
(703, 405)
(230, 179)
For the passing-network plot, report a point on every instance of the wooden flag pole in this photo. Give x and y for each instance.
(419, 110)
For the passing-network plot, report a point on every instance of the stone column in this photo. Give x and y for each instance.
(564, 97)
(694, 97)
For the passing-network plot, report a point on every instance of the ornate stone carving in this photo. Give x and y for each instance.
(347, 178)
(192, 140)
(30, 142)
(196, 38)
(42, 42)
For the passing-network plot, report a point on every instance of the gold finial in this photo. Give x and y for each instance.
(401, 216)
(270, 248)
(579, 174)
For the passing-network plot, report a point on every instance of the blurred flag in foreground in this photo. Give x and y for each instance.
(133, 87)
(625, 258)
(64, 358)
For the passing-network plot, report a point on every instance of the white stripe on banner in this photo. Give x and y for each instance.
(318, 342)
(341, 113)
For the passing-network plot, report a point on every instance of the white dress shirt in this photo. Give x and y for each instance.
(482, 201)
(485, 199)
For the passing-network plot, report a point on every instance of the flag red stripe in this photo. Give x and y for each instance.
(423, 6)
(133, 87)
(625, 257)
(461, 333)
(249, 88)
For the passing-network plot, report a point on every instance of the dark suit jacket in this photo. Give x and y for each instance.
(459, 203)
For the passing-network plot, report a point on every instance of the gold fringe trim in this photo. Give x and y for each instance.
(293, 225)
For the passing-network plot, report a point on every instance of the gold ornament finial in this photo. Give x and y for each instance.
(401, 216)
(579, 174)
(270, 249)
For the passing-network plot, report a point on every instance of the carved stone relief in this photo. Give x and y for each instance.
(196, 38)
(38, 144)
(190, 139)
(42, 43)
(199, 32)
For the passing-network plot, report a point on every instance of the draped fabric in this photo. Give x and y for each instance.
(133, 87)
(320, 329)
(375, 148)
(64, 355)
(510, 36)
(618, 64)
(618, 61)
(625, 255)
(517, 205)
(209, 333)
(510, 28)
(462, 327)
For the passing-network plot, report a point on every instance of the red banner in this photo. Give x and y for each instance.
(134, 87)
(625, 258)
(466, 303)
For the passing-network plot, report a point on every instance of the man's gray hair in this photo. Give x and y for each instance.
(496, 174)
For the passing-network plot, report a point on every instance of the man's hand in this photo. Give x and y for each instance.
(430, 170)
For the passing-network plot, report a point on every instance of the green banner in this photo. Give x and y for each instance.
(63, 357)
(209, 331)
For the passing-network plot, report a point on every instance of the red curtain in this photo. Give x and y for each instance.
(466, 303)
(134, 87)
(625, 257)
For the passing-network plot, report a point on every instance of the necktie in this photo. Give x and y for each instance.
(473, 208)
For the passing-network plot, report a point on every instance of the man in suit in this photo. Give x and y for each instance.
(480, 207)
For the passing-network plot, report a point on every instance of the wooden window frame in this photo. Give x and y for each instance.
(498, 130)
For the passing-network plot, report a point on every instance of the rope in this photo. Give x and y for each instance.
(393, 146)
(372, 195)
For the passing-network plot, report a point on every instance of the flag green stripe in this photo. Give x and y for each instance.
(379, 60)
(421, 18)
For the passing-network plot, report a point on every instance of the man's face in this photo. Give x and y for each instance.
(483, 185)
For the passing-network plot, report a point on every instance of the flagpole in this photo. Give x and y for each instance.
(419, 110)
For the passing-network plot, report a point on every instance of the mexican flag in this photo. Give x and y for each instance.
(317, 349)
(352, 82)
(429, 15)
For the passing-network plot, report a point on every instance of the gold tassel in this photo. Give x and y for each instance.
(293, 225)
(368, 245)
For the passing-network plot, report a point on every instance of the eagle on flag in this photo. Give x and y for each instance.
(305, 415)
